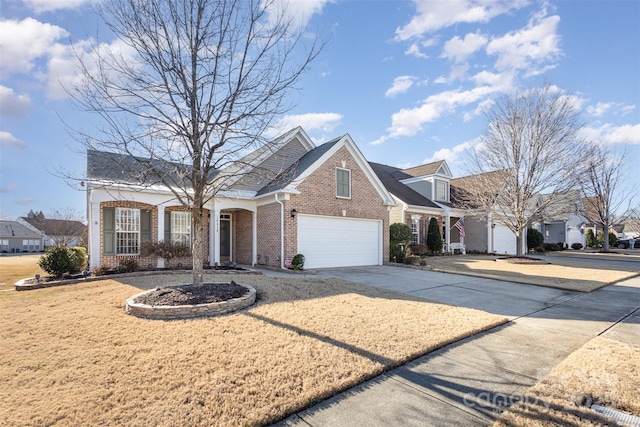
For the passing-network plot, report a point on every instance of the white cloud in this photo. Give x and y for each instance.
(458, 50)
(450, 155)
(529, 47)
(601, 108)
(435, 15)
(9, 187)
(40, 6)
(12, 104)
(409, 121)
(414, 50)
(25, 41)
(400, 85)
(8, 140)
(611, 134)
(299, 11)
(324, 122)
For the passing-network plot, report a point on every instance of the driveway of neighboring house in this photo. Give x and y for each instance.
(469, 382)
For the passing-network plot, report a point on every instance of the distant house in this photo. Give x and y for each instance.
(483, 232)
(421, 193)
(55, 231)
(16, 238)
(562, 221)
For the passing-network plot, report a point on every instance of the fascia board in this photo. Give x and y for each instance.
(424, 210)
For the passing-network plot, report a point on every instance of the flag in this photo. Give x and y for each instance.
(460, 226)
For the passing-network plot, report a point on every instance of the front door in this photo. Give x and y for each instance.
(225, 239)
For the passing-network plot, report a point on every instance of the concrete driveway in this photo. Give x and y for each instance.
(470, 382)
(511, 300)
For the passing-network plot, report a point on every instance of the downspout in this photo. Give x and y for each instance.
(281, 231)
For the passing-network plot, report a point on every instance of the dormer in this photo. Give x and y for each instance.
(431, 180)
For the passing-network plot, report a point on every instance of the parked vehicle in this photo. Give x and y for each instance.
(626, 243)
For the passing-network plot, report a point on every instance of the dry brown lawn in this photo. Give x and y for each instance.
(16, 267)
(603, 371)
(71, 356)
(559, 274)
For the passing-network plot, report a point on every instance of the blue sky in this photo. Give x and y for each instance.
(408, 80)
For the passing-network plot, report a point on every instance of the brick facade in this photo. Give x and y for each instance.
(242, 246)
(107, 261)
(268, 244)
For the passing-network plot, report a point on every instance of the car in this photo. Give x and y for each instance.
(626, 243)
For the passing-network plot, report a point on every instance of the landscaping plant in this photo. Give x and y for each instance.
(59, 260)
(399, 237)
(297, 263)
(535, 239)
(434, 239)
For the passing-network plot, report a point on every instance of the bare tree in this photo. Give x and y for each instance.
(192, 92)
(604, 195)
(531, 145)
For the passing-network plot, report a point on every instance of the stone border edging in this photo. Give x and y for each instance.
(174, 312)
(29, 283)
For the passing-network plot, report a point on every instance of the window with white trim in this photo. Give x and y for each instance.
(181, 227)
(442, 191)
(31, 245)
(343, 183)
(127, 231)
(415, 230)
(4, 244)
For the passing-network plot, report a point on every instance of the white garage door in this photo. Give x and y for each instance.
(339, 242)
(504, 241)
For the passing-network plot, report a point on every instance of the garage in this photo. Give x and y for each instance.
(504, 241)
(327, 241)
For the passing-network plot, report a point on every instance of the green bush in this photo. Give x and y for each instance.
(399, 237)
(613, 239)
(576, 246)
(548, 247)
(297, 263)
(80, 257)
(434, 238)
(59, 260)
(591, 239)
(535, 239)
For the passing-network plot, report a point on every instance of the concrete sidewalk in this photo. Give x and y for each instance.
(471, 381)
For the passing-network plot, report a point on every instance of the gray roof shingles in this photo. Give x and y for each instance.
(391, 177)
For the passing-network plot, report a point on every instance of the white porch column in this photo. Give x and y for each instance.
(254, 232)
(215, 226)
(447, 225)
(94, 232)
(490, 228)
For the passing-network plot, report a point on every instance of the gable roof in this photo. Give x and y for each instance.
(13, 229)
(439, 167)
(55, 227)
(391, 177)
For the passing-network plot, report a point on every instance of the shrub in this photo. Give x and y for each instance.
(434, 239)
(420, 250)
(128, 265)
(576, 246)
(591, 239)
(535, 239)
(552, 247)
(613, 239)
(59, 260)
(164, 249)
(297, 263)
(80, 253)
(399, 236)
(412, 260)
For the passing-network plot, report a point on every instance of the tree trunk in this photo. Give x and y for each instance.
(198, 244)
(519, 243)
(605, 235)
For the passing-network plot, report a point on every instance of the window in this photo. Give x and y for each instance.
(4, 245)
(442, 191)
(127, 231)
(30, 245)
(415, 230)
(181, 228)
(343, 183)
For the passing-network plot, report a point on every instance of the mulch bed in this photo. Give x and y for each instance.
(191, 295)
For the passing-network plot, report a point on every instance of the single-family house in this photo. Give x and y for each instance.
(483, 233)
(55, 231)
(563, 220)
(421, 193)
(323, 201)
(16, 238)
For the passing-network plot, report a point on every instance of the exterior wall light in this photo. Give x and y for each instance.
(293, 213)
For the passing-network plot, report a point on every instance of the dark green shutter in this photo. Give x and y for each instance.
(108, 231)
(145, 226)
(167, 226)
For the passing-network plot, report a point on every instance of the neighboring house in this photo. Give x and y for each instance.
(483, 233)
(562, 221)
(55, 231)
(16, 238)
(325, 203)
(422, 193)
